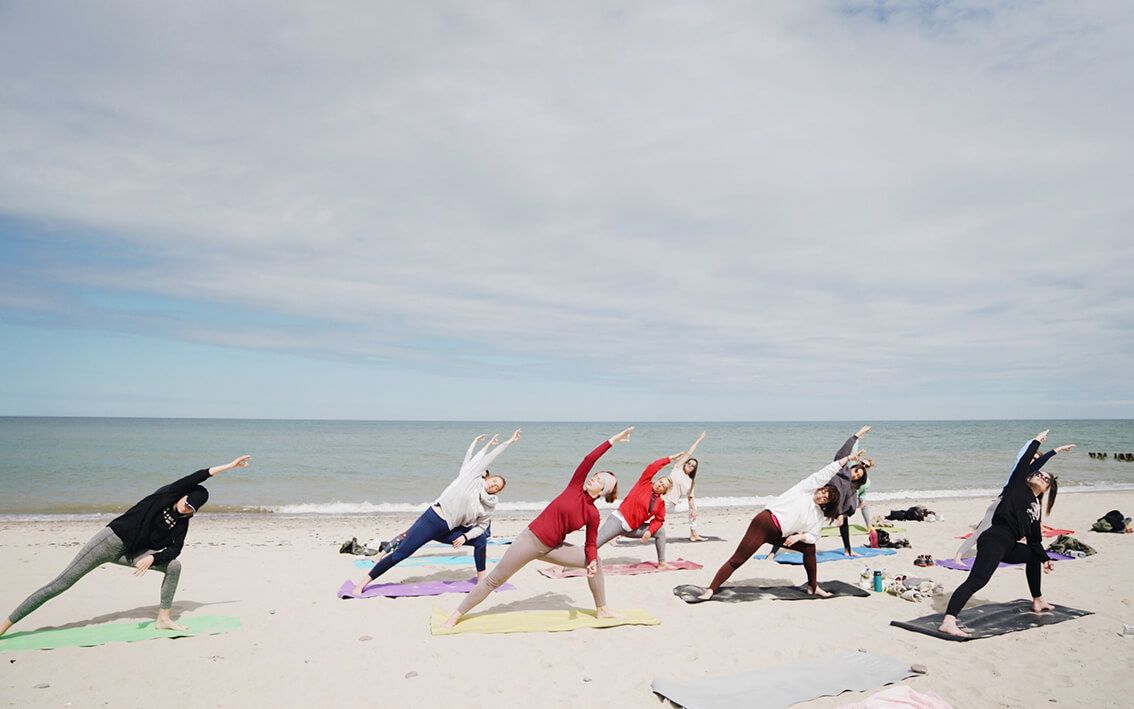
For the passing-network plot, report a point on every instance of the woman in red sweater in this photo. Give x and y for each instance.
(642, 512)
(573, 509)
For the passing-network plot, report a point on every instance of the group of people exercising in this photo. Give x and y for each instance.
(151, 533)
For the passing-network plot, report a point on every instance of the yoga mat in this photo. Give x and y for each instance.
(491, 541)
(669, 540)
(1045, 530)
(857, 530)
(425, 588)
(992, 619)
(455, 560)
(967, 564)
(537, 621)
(644, 567)
(104, 633)
(739, 594)
(786, 684)
(795, 558)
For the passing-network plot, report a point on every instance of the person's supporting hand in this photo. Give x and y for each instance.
(143, 564)
(862, 431)
(1064, 449)
(646, 538)
(1048, 566)
(792, 539)
(622, 437)
(459, 542)
(592, 568)
(838, 521)
(241, 462)
(1042, 435)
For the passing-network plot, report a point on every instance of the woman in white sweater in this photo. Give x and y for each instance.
(793, 520)
(461, 514)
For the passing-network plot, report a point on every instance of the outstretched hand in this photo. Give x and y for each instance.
(1042, 435)
(1064, 449)
(622, 437)
(495, 439)
(241, 462)
(863, 431)
(515, 435)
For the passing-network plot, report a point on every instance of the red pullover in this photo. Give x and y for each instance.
(635, 509)
(573, 508)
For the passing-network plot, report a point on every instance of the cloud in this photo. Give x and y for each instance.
(714, 198)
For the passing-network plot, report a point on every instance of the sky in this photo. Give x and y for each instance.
(567, 211)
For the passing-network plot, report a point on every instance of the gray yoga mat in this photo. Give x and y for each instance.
(992, 619)
(786, 684)
(738, 594)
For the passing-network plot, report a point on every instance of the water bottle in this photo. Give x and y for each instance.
(878, 581)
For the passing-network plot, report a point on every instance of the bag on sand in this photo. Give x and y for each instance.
(1112, 521)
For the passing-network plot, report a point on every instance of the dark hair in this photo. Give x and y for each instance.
(696, 465)
(861, 481)
(831, 509)
(1052, 491)
(613, 492)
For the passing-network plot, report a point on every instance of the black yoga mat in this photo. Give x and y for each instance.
(738, 594)
(992, 619)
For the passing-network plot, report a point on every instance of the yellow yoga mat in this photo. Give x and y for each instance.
(537, 621)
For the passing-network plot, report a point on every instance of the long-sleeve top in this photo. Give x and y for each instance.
(572, 509)
(1020, 511)
(796, 510)
(641, 503)
(848, 492)
(152, 524)
(682, 484)
(464, 503)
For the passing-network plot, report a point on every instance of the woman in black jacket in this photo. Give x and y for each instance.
(148, 535)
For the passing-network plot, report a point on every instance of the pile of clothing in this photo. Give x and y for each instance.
(1065, 544)
(912, 588)
(885, 541)
(917, 513)
(1113, 521)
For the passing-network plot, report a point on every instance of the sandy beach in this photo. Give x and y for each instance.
(300, 646)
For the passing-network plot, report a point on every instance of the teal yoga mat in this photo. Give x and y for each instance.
(795, 558)
(104, 633)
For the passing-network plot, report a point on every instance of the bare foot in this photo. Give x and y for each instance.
(706, 595)
(694, 537)
(168, 624)
(949, 627)
(360, 587)
(820, 592)
(1040, 606)
(850, 553)
(605, 612)
(5, 625)
(663, 566)
(957, 559)
(451, 620)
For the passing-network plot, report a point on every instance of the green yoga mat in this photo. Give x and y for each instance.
(104, 633)
(857, 530)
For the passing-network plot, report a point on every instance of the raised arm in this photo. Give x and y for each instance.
(187, 483)
(241, 462)
(472, 447)
(484, 461)
(823, 476)
(655, 466)
(848, 447)
(1038, 463)
(1024, 463)
(588, 463)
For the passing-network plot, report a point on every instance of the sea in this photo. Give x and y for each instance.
(94, 467)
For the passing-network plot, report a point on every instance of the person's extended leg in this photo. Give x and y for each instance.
(981, 528)
(844, 532)
(576, 558)
(990, 551)
(526, 547)
(1033, 569)
(610, 529)
(658, 540)
(760, 530)
(811, 566)
(479, 544)
(428, 527)
(171, 571)
(102, 548)
(865, 509)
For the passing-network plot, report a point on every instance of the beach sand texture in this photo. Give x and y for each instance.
(301, 646)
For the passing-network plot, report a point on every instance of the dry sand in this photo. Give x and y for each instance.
(301, 646)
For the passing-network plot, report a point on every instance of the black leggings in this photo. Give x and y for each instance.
(994, 546)
(763, 530)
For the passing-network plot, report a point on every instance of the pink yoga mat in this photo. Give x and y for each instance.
(1045, 530)
(967, 564)
(644, 567)
(427, 588)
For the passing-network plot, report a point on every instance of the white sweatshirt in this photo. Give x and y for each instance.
(796, 510)
(465, 503)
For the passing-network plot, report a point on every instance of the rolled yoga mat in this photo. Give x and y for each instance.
(537, 621)
(105, 633)
(785, 685)
(992, 619)
(739, 594)
(456, 560)
(425, 588)
(643, 567)
(967, 564)
(795, 558)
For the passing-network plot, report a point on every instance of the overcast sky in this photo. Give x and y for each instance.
(595, 211)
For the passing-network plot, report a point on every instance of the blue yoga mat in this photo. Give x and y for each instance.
(457, 560)
(796, 559)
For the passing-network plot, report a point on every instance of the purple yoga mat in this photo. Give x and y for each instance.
(428, 588)
(967, 564)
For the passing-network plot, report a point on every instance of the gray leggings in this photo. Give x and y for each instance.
(981, 528)
(103, 547)
(613, 528)
(525, 548)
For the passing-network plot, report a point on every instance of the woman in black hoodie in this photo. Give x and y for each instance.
(148, 535)
(1018, 516)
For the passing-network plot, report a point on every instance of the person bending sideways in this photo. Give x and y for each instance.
(147, 536)
(572, 509)
(1018, 516)
(462, 514)
(793, 520)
